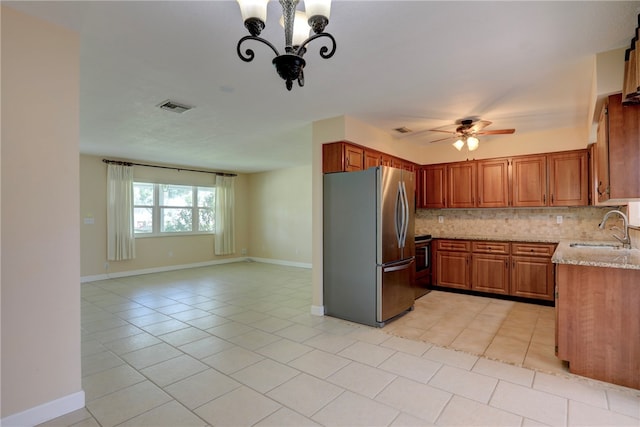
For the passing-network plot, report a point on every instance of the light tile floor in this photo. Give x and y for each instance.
(513, 332)
(235, 345)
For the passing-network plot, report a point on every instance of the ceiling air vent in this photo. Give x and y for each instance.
(174, 106)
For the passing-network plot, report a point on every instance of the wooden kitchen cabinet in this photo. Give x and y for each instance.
(461, 185)
(493, 183)
(432, 186)
(452, 263)
(568, 178)
(517, 269)
(342, 157)
(598, 322)
(532, 272)
(490, 267)
(618, 151)
(529, 181)
(602, 158)
(372, 159)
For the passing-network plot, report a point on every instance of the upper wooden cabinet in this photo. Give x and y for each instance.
(461, 185)
(618, 168)
(372, 159)
(493, 183)
(342, 157)
(568, 178)
(529, 181)
(345, 156)
(432, 186)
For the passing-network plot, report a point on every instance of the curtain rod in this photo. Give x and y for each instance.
(118, 162)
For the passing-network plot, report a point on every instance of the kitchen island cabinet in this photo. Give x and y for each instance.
(598, 322)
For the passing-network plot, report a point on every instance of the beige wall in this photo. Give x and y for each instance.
(40, 233)
(152, 253)
(280, 224)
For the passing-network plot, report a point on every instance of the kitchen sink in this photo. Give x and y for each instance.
(595, 245)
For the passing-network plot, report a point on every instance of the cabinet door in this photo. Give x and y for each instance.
(432, 187)
(493, 183)
(353, 158)
(529, 181)
(461, 185)
(602, 158)
(371, 159)
(568, 178)
(490, 273)
(624, 146)
(532, 277)
(452, 269)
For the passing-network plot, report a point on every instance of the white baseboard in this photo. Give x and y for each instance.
(281, 262)
(45, 412)
(85, 279)
(317, 310)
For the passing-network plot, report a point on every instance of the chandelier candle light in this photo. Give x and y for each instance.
(290, 64)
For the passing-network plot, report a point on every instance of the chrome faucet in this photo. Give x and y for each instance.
(625, 240)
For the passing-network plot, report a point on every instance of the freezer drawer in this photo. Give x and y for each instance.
(395, 294)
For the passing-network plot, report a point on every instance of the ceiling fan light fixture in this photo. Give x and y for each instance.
(472, 143)
(459, 144)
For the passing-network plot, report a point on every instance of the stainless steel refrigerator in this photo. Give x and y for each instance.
(368, 244)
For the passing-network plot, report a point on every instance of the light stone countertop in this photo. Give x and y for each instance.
(597, 257)
(532, 239)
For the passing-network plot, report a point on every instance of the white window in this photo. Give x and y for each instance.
(164, 209)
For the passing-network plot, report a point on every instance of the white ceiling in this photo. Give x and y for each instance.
(419, 64)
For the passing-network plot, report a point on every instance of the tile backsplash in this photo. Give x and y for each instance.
(579, 223)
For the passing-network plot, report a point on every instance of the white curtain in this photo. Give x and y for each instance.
(120, 234)
(225, 243)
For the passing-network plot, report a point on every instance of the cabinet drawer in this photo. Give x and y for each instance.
(533, 249)
(501, 248)
(454, 245)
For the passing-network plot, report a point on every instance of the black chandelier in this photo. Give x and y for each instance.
(290, 65)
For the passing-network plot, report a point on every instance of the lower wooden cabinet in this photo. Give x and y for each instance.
(452, 269)
(506, 268)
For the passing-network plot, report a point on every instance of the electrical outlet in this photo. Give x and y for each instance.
(559, 219)
(170, 254)
(243, 251)
(106, 266)
(440, 219)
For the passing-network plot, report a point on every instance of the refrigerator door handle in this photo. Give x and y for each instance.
(397, 266)
(405, 216)
(399, 219)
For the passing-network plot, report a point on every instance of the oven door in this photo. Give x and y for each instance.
(423, 256)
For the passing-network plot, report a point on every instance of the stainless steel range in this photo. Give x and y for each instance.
(422, 282)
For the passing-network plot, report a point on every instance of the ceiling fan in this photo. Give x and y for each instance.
(467, 130)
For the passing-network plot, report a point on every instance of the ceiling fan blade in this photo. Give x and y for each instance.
(441, 130)
(496, 132)
(478, 126)
(444, 139)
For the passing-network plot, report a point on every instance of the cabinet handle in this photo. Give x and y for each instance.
(544, 198)
(347, 161)
(506, 264)
(552, 198)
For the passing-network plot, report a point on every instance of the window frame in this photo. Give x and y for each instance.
(156, 211)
